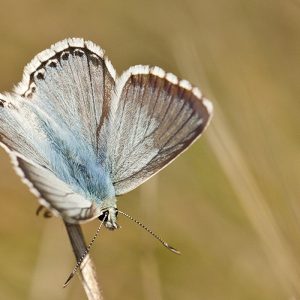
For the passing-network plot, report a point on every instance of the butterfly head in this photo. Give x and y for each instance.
(109, 217)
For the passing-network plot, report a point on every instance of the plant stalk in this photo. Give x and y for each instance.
(87, 273)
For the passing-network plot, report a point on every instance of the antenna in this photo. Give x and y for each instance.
(151, 232)
(87, 250)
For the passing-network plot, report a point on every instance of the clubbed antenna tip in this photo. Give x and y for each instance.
(69, 279)
(151, 232)
(172, 249)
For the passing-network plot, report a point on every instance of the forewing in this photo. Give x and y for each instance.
(73, 83)
(52, 192)
(157, 118)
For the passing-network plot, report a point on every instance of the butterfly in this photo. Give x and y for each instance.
(79, 135)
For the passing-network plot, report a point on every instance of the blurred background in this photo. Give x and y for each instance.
(230, 203)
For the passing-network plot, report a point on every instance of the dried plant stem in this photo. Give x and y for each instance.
(87, 272)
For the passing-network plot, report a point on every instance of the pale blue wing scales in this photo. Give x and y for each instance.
(59, 114)
(157, 118)
(26, 134)
(19, 128)
(52, 192)
(23, 136)
(73, 83)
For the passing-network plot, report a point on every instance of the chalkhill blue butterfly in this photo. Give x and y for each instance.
(79, 135)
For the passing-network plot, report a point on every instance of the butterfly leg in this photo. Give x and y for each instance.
(47, 213)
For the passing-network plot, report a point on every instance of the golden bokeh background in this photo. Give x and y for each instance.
(231, 203)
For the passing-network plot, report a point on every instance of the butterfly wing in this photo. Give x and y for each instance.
(132, 128)
(61, 106)
(17, 129)
(157, 118)
(22, 137)
(52, 192)
(73, 83)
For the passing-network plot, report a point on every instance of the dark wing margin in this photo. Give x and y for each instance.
(157, 118)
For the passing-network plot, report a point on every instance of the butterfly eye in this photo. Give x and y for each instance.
(103, 216)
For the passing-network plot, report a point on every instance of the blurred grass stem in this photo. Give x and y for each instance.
(235, 165)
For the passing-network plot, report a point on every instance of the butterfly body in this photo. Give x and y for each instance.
(79, 136)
